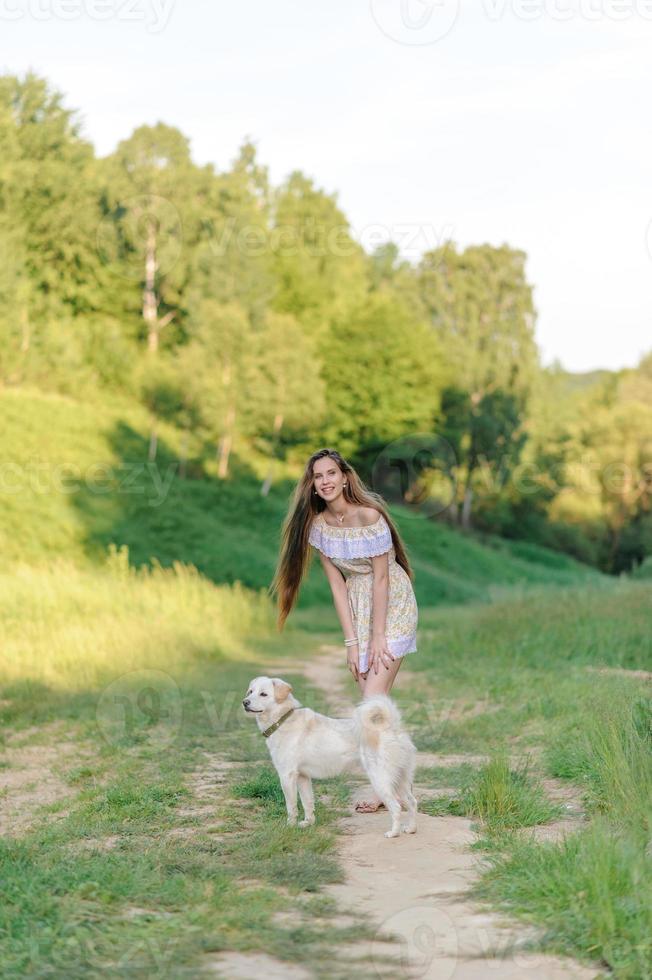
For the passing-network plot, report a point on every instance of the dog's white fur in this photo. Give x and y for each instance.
(309, 745)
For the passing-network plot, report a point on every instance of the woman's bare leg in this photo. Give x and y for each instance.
(380, 683)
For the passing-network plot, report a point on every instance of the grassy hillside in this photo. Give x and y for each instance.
(143, 823)
(76, 479)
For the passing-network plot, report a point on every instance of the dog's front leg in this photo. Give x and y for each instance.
(289, 787)
(307, 800)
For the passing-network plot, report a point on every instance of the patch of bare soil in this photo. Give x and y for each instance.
(244, 966)
(640, 675)
(450, 759)
(567, 796)
(206, 785)
(29, 777)
(95, 843)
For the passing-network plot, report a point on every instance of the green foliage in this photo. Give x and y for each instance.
(320, 271)
(82, 481)
(644, 570)
(246, 315)
(481, 307)
(374, 343)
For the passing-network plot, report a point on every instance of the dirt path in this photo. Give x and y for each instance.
(413, 886)
(31, 774)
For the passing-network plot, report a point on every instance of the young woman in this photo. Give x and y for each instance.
(366, 565)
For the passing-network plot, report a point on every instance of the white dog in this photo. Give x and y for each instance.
(305, 745)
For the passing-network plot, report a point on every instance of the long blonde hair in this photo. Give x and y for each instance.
(294, 557)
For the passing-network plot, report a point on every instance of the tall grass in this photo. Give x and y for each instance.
(503, 797)
(593, 890)
(609, 748)
(72, 628)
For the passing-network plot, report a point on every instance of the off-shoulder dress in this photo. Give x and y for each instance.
(351, 549)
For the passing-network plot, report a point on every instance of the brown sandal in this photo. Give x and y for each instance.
(366, 806)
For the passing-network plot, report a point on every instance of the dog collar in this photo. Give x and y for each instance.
(272, 728)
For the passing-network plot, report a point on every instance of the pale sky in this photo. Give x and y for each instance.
(518, 121)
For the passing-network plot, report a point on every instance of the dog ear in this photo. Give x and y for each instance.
(281, 688)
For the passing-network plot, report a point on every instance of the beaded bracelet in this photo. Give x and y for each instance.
(351, 642)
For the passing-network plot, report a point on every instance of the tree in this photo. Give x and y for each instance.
(289, 388)
(617, 447)
(233, 261)
(382, 371)
(220, 366)
(480, 307)
(48, 184)
(321, 271)
(152, 203)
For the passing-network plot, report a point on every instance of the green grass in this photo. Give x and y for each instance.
(134, 875)
(500, 796)
(81, 630)
(131, 627)
(592, 893)
(529, 657)
(69, 632)
(612, 758)
(132, 871)
(437, 776)
(82, 481)
(154, 896)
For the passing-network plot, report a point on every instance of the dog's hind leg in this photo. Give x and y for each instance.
(289, 787)
(382, 784)
(307, 800)
(408, 796)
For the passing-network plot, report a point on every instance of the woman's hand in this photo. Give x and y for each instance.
(379, 653)
(353, 659)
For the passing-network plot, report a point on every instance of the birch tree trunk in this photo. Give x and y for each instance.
(226, 444)
(466, 506)
(150, 302)
(25, 330)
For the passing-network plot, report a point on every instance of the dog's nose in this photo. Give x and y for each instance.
(245, 702)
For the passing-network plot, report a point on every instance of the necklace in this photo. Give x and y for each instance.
(340, 519)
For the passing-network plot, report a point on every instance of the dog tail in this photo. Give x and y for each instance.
(386, 750)
(375, 715)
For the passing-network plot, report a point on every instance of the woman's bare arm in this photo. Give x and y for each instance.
(337, 583)
(380, 565)
(378, 650)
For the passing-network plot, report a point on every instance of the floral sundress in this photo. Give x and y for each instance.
(351, 549)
